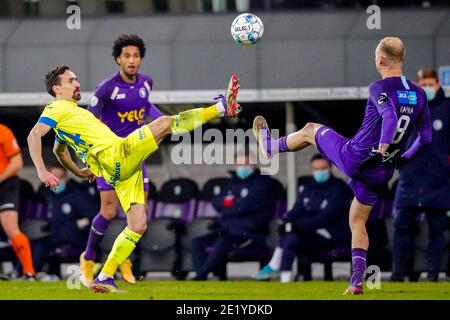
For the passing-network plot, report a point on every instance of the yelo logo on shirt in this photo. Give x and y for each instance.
(132, 116)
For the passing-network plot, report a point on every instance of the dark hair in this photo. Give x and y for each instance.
(127, 40)
(427, 74)
(318, 156)
(52, 78)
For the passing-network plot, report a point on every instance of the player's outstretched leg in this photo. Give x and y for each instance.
(19, 242)
(226, 106)
(359, 214)
(123, 246)
(99, 226)
(268, 146)
(187, 121)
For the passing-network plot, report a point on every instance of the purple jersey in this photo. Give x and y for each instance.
(395, 107)
(122, 105)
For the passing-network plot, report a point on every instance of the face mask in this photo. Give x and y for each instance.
(61, 187)
(429, 91)
(244, 172)
(321, 176)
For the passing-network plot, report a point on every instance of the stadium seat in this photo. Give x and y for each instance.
(206, 214)
(32, 205)
(158, 247)
(176, 205)
(33, 216)
(177, 200)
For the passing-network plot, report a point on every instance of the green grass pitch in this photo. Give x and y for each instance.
(232, 290)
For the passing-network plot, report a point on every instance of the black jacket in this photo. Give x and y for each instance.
(322, 206)
(425, 180)
(253, 207)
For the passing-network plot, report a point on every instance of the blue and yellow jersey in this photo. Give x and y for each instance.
(79, 129)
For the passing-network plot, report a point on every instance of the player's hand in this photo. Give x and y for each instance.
(48, 179)
(371, 161)
(86, 174)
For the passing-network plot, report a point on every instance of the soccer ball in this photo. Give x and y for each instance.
(247, 29)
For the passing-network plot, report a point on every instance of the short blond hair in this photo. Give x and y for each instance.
(393, 49)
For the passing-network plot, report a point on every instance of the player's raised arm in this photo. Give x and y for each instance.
(388, 113)
(35, 147)
(424, 137)
(63, 155)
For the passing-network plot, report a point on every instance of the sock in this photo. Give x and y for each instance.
(358, 266)
(282, 144)
(121, 250)
(21, 247)
(275, 262)
(285, 276)
(272, 145)
(187, 121)
(98, 229)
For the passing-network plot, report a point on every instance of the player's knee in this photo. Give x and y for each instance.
(308, 130)
(310, 127)
(164, 124)
(357, 224)
(109, 210)
(138, 227)
(160, 128)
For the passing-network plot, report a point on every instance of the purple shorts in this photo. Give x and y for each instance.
(336, 149)
(102, 185)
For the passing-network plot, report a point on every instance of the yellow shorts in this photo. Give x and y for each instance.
(121, 165)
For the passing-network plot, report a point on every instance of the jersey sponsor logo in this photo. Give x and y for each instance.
(141, 134)
(142, 92)
(94, 101)
(325, 131)
(406, 97)
(132, 116)
(382, 98)
(116, 176)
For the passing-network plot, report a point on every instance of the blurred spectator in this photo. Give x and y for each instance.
(317, 223)
(246, 207)
(70, 212)
(10, 164)
(424, 186)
